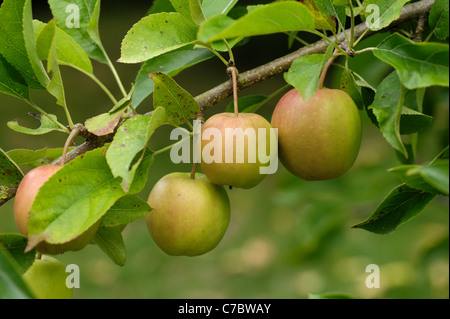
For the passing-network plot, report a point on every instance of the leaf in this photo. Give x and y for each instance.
(130, 139)
(73, 199)
(46, 42)
(348, 84)
(32, 159)
(305, 72)
(180, 106)
(327, 7)
(74, 17)
(68, 51)
(126, 210)
(380, 13)
(182, 7)
(247, 104)
(271, 18)
(402, 204)
(197, 15)
(418, 64)
(92, 27)
(12, 285)
(321, 20)
(170, 63)
(46, 126)
(15, 245)
(10, 173)
(215, 7)
(432, 178)
(156, 34)
(160, 6)
(16, 27)
(385, 107)
(413, 122)
(110, 240)
(103, 124)
(12, 82)
(213, 26)
(439, 19)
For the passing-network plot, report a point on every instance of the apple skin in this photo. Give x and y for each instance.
(46, 278)
(189, 216)
(318, 138)
(25, 195)
(241, 175)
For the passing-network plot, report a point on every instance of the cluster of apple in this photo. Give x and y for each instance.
(318, 139)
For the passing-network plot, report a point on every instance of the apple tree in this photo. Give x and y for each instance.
(92, 190)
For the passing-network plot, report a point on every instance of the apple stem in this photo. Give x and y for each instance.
(325, 69)
(194, 168)
(38, 255)
(76, 130)
(232, 69)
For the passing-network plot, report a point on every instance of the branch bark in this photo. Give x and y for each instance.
(256, 75)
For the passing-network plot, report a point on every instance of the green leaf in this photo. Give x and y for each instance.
(70, 12)
(73, 199)
(16, 27)
(156, 34)
(68, 51)
(130, 140)
(402, 204)
(247, 104)
(10, 173)
(110, 240)
(305, 72)
(46, 126)
(418, 64)
(348, 84)
(413, 122)
(438, 19)
(170, 63)
(182, 7)
(46, 42)
(125, 210)
(12, 82)
(385, 107)
(32, 159)
(328, 8)
(92, 27)
(321, 21)
(160, 6)
(215, 7)
(213, 26)
(12, 285)
(432, 178)
(196, 9)
(380, 13)
(271, 18)
(15, 244)
(179, 104)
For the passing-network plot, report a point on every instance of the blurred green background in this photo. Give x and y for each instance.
(287, 238)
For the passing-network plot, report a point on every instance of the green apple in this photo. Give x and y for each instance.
(46, 278)
(25, 195)
(189, 216)
(319, 138)
(241, 170)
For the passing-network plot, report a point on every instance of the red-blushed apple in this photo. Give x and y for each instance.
(189, 216)
(25, 195)
(318, 138)
(239, 165)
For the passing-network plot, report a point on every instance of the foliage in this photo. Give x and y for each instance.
(104, 183)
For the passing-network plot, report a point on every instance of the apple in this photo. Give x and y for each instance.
(46, 278)
(25, 195)
(240, 171)
(318, 138)
(189, 216)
